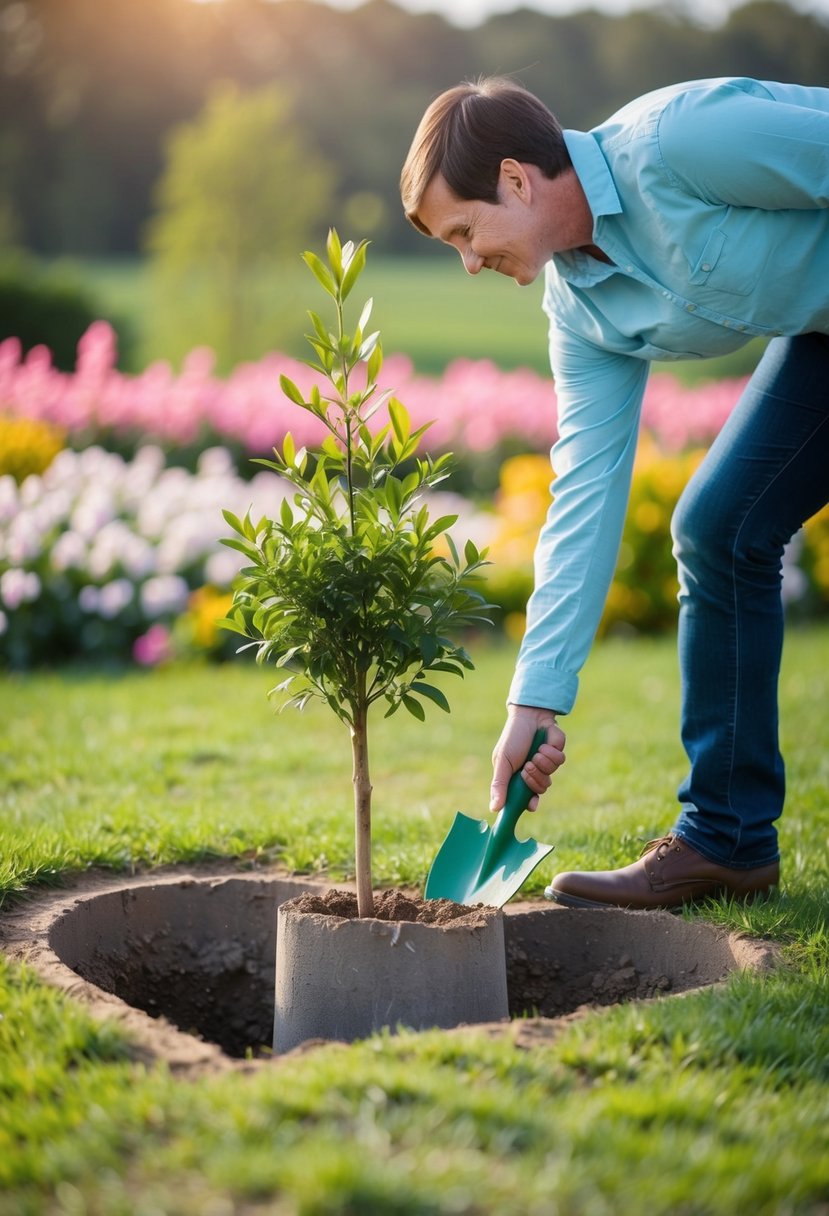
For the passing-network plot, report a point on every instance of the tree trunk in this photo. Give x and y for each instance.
(362, 814)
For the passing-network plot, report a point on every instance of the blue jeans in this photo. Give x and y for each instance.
(764, 476)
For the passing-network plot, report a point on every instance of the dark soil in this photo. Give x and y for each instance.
(388, 905)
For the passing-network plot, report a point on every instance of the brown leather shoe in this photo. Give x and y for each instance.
(668, 873)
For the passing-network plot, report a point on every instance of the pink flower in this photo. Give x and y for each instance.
(153, 647)
(474, 406)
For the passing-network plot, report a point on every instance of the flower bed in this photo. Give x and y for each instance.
(479, 409)
(117, 554)
(107, 557)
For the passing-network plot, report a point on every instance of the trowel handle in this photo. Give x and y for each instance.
(518, 792)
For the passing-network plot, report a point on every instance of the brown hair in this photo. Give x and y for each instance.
(467, 131)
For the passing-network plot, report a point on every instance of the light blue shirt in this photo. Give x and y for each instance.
(712, 200)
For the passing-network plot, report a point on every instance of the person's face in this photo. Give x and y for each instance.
(507, 237)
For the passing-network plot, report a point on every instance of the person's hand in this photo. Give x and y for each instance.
(512, 748)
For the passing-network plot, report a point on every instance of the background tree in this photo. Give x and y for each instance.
(89, 90)
(241, 191)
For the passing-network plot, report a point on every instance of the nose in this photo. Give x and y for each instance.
(472, 261)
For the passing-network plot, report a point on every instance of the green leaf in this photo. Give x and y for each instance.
(321, 329)
(414, 708)
(320, 272)
(335, 254)
(291, 391)
(375, 361)
(355, 268)
(434, 694)
(232, 626)
(400, 421)
(393, 496)
(241, 546)
(234, 521)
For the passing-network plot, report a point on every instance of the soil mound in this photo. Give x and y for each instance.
(392, 904)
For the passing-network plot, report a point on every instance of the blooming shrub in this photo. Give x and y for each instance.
(480, 410)
(643, 594)
(115, 559)
(97, 550)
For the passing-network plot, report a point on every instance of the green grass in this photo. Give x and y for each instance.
(715, 1103)
(426, 307)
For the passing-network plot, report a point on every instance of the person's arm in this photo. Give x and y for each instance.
(750, 145)
(599, 402)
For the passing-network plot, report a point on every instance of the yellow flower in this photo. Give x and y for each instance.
(206, 606)
(28, 446)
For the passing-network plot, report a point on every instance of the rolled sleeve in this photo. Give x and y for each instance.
(599, 403)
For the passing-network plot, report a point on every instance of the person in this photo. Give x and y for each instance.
(692, 220)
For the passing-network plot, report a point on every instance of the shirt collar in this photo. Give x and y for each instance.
(593, 173)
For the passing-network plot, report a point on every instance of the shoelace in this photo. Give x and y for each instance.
(661, 844)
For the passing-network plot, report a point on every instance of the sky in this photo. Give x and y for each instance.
(471, 12)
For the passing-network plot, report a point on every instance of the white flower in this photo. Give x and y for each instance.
(68, 552)
(114, 597)
(9, 499)
(94, 509)
(31, 490)
(138, 557)
(221, 568)
(18, 587)
(24, 539)
(89, 597)
(215, 462)
(163, 595)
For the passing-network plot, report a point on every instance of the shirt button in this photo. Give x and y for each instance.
(741, 328)
(691, 307)
(629, 269)
(727, 323)
(706, 265)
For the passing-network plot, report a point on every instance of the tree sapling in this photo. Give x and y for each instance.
(346, 589)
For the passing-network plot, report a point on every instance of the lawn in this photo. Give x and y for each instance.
(713, 1103)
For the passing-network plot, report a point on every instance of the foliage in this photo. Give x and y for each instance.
(241, 189)
(97, 552)
(345, 589)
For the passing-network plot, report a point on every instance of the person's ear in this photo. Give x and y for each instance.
(513, 178)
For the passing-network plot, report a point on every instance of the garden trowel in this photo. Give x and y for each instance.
(478, 864)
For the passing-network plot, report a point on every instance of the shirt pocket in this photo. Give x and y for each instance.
(730, 260)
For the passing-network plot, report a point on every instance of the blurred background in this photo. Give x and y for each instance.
(160, 152)
(163, 163)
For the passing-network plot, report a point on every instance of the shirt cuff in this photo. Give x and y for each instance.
(546, 687)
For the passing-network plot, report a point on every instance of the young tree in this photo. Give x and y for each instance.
(345, 590)
(241, 190)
